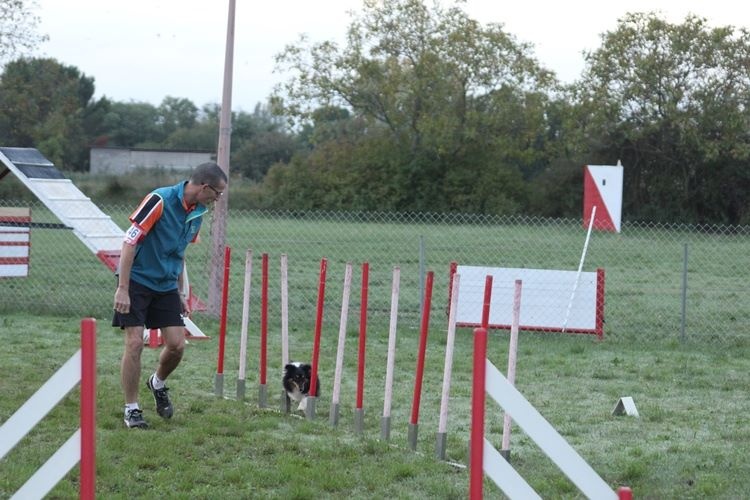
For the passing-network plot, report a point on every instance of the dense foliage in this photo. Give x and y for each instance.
(425, 109)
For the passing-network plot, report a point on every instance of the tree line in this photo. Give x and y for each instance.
(425, 109)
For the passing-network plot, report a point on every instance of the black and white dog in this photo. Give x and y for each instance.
(296, 382)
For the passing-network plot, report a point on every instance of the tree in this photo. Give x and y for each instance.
(46, 105)
(129, 124)
(672, 101)
(175, 113)
(260, 139)
(18, 26)
(432, 78)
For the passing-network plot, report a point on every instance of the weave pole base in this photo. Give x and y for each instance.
(334, 417)
(286, 403)
(440, 442)
(219, 385)
(505, 454)
(263, 396)
(359, 420)
(413, 432)
(310, 408)
(240, 389)
(385, 428)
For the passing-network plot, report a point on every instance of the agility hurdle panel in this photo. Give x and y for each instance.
(487, 379)
(554, 301)
(81, 446)
(15, 242)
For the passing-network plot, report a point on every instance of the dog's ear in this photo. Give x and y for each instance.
(307, 369)
(289, 368)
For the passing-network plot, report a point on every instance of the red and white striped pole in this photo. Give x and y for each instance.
(359, 410)
(414, 422)
(310, 408)
(219, 380)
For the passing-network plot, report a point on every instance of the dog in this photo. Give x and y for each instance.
(296, 382)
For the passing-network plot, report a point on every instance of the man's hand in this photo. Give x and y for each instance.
(122, 300)
(185, 305)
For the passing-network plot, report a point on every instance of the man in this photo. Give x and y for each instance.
(150, 278)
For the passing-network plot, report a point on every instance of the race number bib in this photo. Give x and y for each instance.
(133, 235)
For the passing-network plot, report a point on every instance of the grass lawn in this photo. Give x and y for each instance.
(691, 440)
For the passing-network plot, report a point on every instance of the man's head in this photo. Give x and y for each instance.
(210, 181)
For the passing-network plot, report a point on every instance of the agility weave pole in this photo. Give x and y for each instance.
(512, 350)
(219, 379)
(414, 420)
(442, 433)
(311, 400)
(283, 268)
(359, 415)
(385, 421)
(263, 364)
(81, 446)
(243, 328)
(336, 393)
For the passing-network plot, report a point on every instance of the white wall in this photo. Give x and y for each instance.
(122, 160)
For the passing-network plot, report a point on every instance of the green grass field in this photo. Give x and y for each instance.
(691, 440)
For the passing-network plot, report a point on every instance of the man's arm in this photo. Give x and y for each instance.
(122, 295)
(183, 292)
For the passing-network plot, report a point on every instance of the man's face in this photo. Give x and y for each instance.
(210, 193)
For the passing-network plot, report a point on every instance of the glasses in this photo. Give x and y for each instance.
(216, 191)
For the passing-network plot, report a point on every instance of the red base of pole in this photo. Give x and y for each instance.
(625, 493)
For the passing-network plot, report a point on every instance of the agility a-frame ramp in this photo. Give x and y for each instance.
(76, 211)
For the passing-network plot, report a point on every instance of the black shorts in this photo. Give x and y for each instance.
(150, 308)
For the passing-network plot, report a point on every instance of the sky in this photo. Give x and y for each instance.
(144, 50)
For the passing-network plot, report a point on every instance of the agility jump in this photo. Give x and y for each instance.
(81, 446)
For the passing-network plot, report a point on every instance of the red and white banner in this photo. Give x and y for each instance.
(602, 188)
(15, 240)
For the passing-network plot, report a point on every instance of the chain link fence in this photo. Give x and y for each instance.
(672, 282)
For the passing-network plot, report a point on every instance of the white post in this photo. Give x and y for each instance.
(285, 403)
(334, 414)
(512, 350)
(284, 312)
(245, 320)
(385, 425)
(447, 370)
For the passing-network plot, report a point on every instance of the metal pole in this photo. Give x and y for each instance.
(683, 314)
